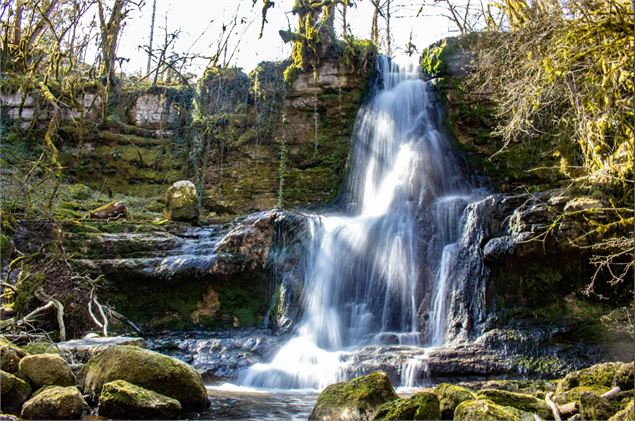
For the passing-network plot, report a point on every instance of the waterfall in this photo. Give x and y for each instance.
(378, 271)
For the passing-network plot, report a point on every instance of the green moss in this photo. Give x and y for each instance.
(361, 396)
(450, 396)
(123, 400)
(26, 286)
(562, 397)
(520, 401)
(606, 375)
(15, 391)
(595, 407)
(486, 410)
(421, 406)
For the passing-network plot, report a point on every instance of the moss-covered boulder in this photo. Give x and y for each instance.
(450, 396)
(10, 356)
(357, 399)
(486, 410)
(181, 202)
(148, 369)
(606, 375)
(626, 414)
(520, 401)
(46, 370)
(13, 391)
(421, 406)
(55, 403)
(123, 400)
(595, 407)
(574, 394)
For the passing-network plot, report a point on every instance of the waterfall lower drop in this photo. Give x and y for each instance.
(376, 272)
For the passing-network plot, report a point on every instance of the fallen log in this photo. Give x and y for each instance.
(110, 211)
(553, 406)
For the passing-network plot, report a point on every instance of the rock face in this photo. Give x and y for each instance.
(151, 370)
(181, 202)
(46, 370)
(14, 391)
(421, 406)
(123, 400)
(450, 396)
(55, 403)
(357, 399)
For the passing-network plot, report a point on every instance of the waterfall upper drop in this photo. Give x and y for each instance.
(377, 273)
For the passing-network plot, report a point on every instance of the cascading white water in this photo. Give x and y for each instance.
(378, 270)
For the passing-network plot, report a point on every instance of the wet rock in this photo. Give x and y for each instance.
(151, 370)
(520, 401)
(10, 356)
(466, 360)
(14, 391)
(123, 400)
(583, 203)
(450, 396)
(80, 350)
(46, 370)
(421, 406)
(181, 202)
(55, 403)
(357, 399)
(486, 410)
(595, 407)
(626, 414)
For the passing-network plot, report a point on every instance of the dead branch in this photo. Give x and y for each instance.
(611, 393)
(569, 409)
(553, 406)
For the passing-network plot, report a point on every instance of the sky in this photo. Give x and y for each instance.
(205, 17)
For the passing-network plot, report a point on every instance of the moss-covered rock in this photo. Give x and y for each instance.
(123, 400)
(55, 403)
(10, 356)
(357, 399)
(574, 394)
(606, 375)
(14, 391)
(151, 370)
(486, 410)
(421, 406)
(520, 401)
(626, 414)
(181, 202)
(46, 370)
(450, 396)
(595, 407)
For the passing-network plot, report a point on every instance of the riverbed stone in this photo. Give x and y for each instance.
(148, 369)
(55, 403)
(123, 400)
(486, 410)
(520, 401)
(46, 370)
(10, 356)
(13, 391)
(181, 202)
(450, 396)
(421, 406)
(357, 399)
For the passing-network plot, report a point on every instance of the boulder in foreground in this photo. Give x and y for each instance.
(123, 400)
(148, 369)
(55, 403)
(357, 399)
